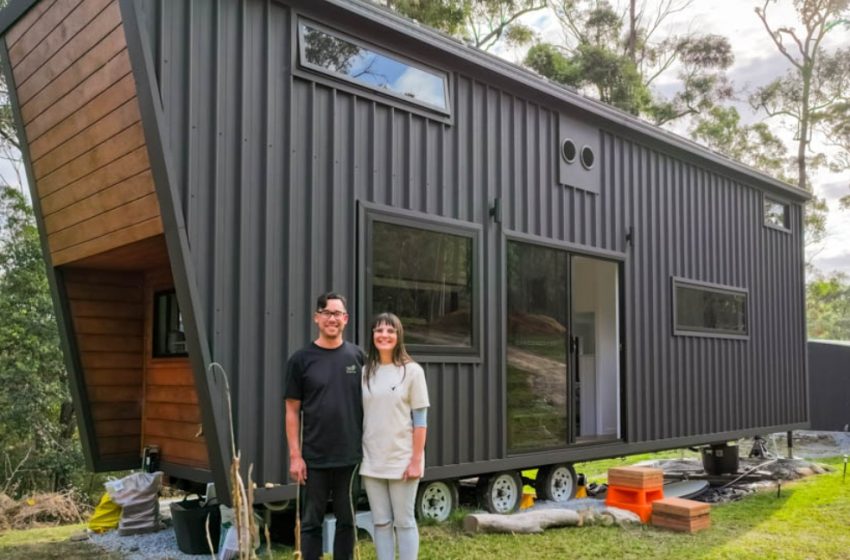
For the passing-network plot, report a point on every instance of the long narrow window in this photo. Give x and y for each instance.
(709, 310)
(327, 52)
(426, 278)
(169, 338)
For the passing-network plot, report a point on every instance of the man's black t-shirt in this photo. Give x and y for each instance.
(327, 382)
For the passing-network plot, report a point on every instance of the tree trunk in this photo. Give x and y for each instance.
(803, 143)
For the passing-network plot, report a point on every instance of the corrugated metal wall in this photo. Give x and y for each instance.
(829, 371)
(271, 165)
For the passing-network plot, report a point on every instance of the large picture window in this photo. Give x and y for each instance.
(425, 277)
(709, 310)
(330, 53)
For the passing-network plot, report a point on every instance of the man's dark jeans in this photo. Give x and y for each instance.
(321, 485)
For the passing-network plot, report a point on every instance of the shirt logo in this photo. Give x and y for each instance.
(351, 369)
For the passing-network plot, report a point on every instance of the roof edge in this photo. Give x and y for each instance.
(13, 11)
(529, 79)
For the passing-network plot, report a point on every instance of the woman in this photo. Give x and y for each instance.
(395, 402)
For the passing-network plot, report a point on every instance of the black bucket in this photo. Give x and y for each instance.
(720, 459)
(190, 518)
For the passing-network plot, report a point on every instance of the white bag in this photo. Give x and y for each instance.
(138, 496)
(229, 549)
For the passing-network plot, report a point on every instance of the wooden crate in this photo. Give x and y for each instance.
(677, 514)
(636, 477)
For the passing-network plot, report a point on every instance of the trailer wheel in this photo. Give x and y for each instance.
(500, 492)
(436, 499)
(556, 483)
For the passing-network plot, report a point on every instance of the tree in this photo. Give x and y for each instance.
(37, 426)
(481, 23)
(828, 307)
(615, 53)
(756, 145)
(807, 95)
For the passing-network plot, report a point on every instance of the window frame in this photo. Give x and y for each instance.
(155, 323)
(678, 330)
(363, 89)
(785, 204)
(425, 353)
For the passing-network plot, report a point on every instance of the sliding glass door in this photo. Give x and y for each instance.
(537, 357)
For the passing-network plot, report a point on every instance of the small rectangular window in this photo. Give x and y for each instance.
(426, 278)
(169, 338)
(776, 214)
(709, 311)
(343, 58)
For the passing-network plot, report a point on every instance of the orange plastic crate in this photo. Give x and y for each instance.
(636, 496)
(637, 500)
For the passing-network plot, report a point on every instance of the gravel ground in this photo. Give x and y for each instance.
(161, 545)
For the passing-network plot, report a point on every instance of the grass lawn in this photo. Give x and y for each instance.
(810, 520)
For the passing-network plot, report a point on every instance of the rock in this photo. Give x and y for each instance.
(79, 537)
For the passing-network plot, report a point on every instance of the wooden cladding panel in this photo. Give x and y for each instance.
(141, 255)
(30, 39)
(108, 315)
(119, 238)
(115, 171)
(27, 21)
(81, 116)
(67, 103)
(118, 93)
(172, 418)
(97, 133)
(102, 154)
(107, 199)
(68, 26)
(104, 38)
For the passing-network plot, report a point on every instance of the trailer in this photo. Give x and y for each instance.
(577, 283)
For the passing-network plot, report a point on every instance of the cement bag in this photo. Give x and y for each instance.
(138, 496)
(106, 515)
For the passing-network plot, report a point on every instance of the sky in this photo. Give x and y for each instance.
(757, 62)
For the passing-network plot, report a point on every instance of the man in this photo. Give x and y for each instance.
(323, 384)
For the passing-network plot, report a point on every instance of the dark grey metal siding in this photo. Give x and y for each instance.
(271, 164)
(829, 371)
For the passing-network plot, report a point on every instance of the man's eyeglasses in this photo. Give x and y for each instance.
(327, 314)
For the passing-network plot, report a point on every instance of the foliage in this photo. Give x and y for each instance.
(481, 23)
(614, 53)
(806, 96)
(36, 419)
(828, 307)
(756, 145)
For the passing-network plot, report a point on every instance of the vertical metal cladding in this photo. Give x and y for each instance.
(272, 162)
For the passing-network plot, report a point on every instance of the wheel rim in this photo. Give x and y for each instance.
(436, 501)
(561, 484)
(504, 493)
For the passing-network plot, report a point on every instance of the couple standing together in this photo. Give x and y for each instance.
(345, 408)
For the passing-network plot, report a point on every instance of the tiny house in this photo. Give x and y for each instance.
(577, 283)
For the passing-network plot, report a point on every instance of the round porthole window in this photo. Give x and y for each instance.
(588, 158)
(568, 150)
